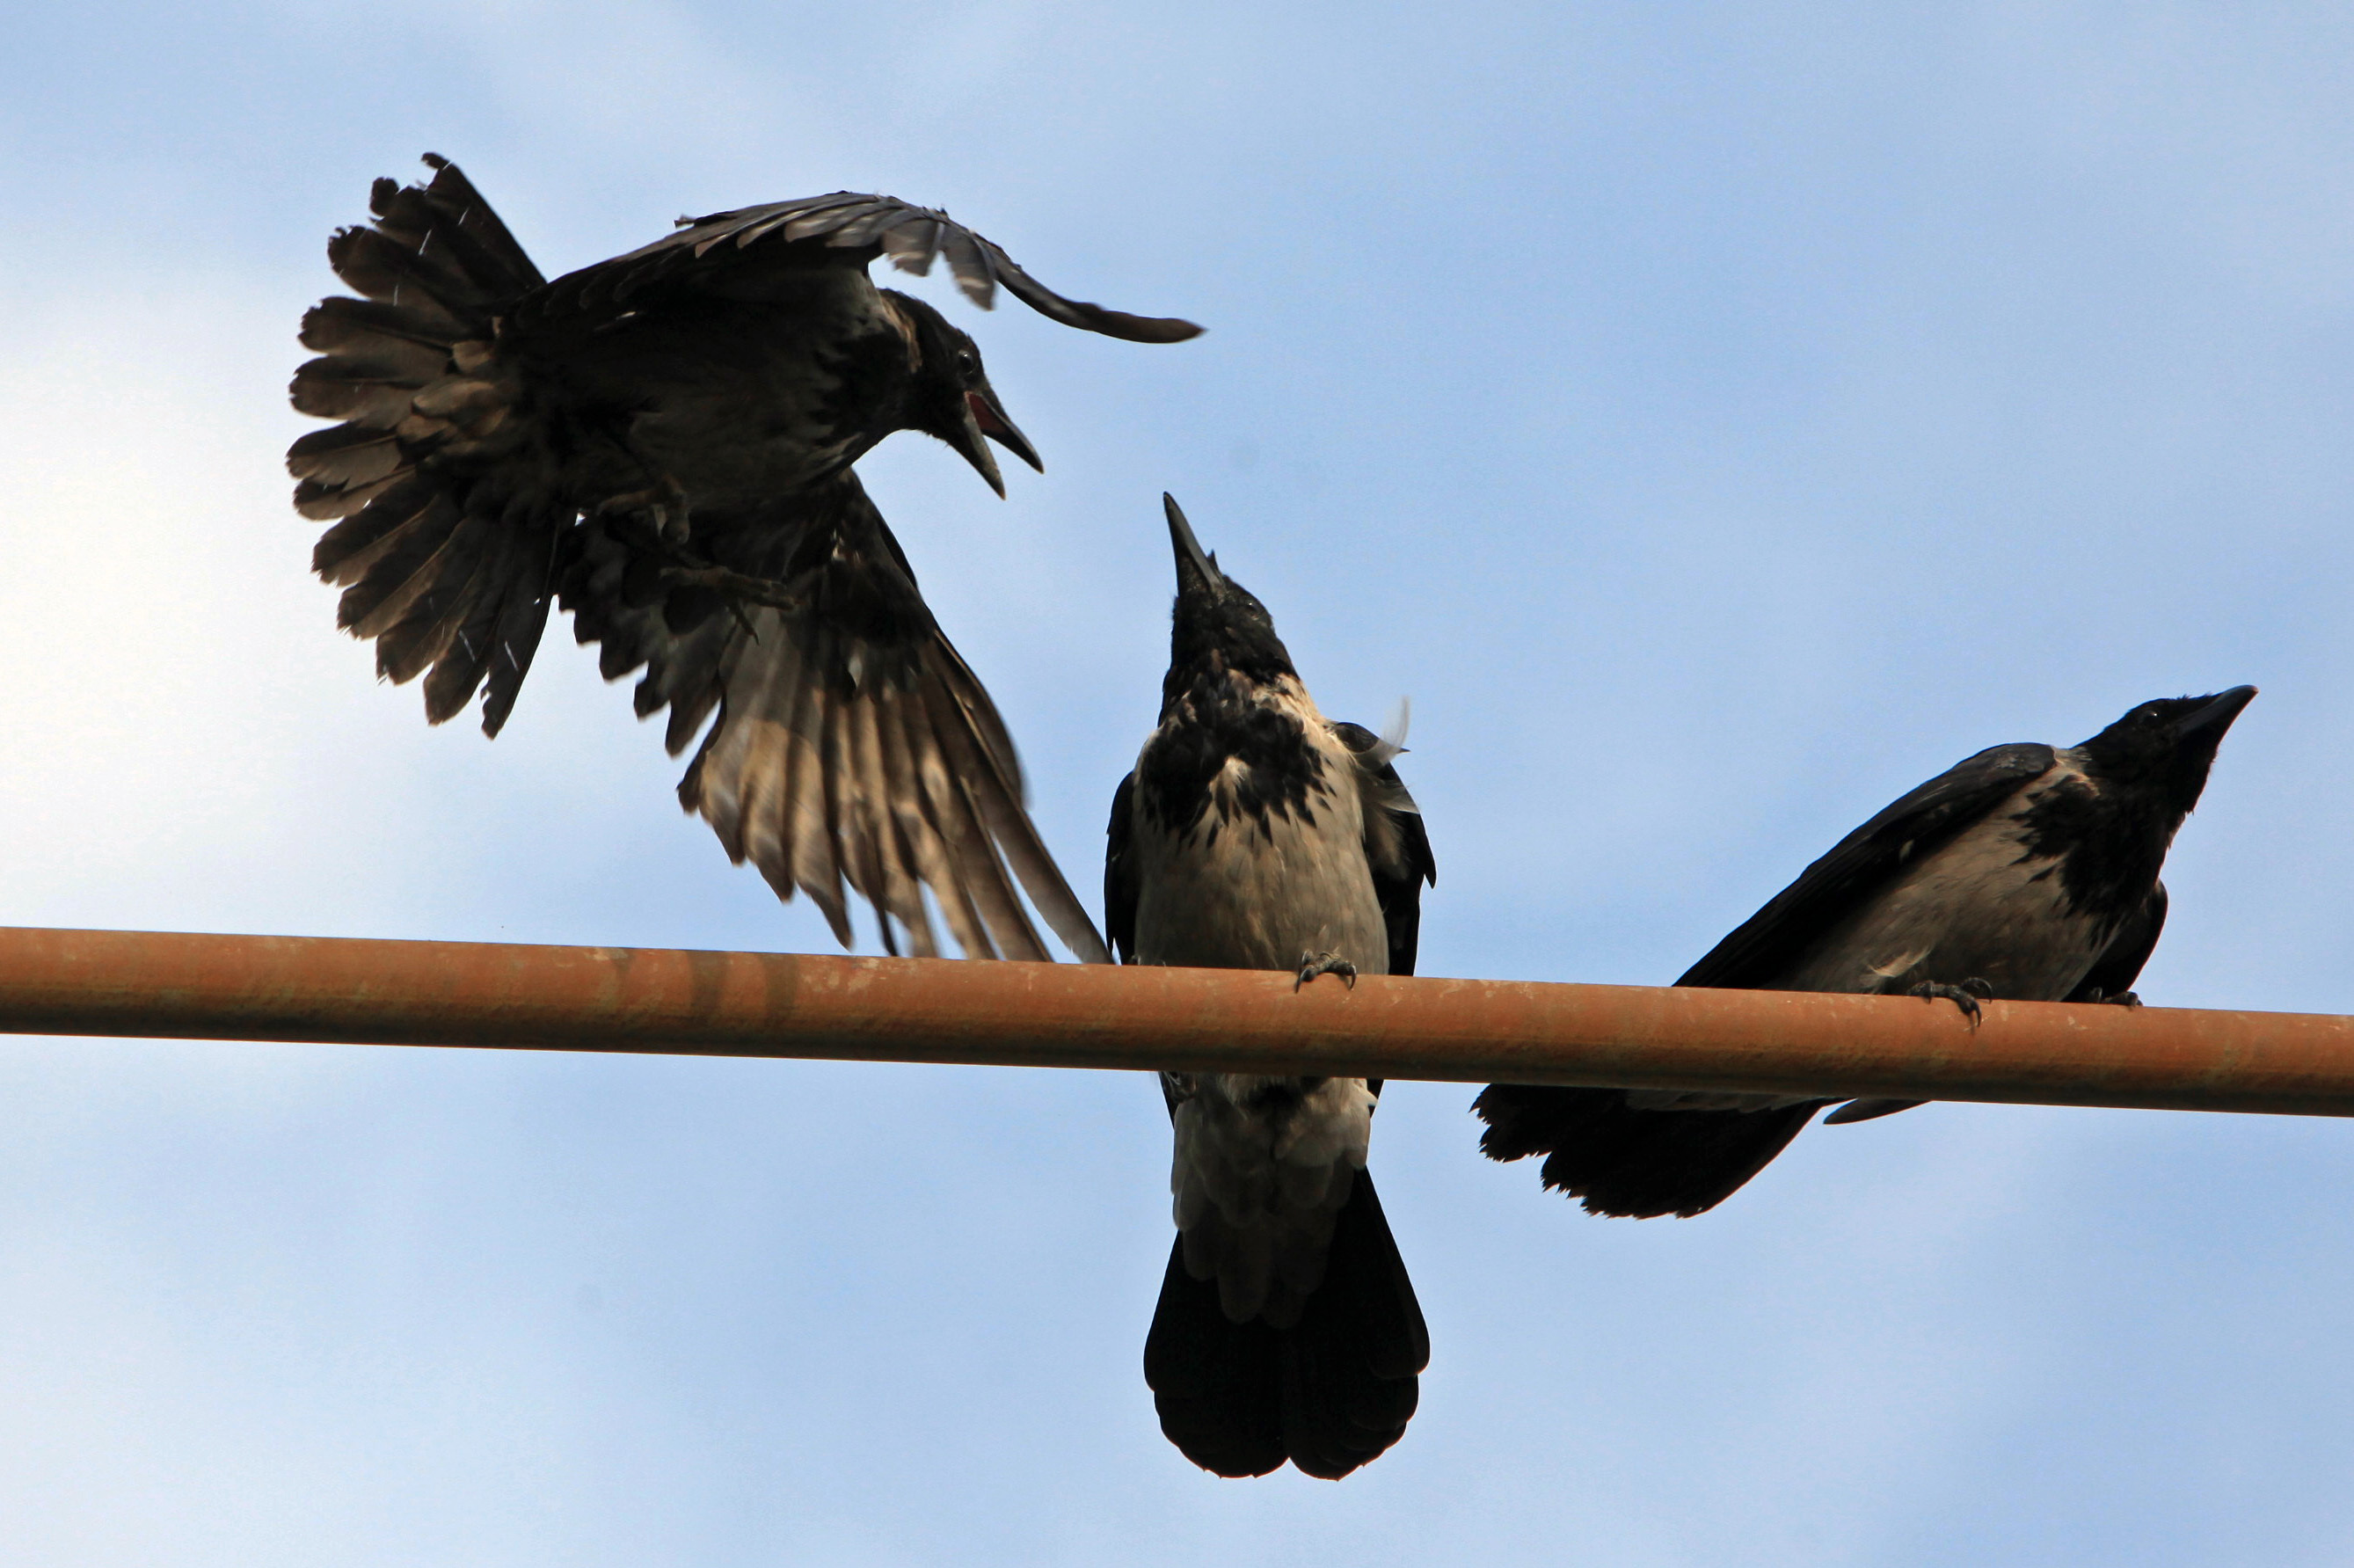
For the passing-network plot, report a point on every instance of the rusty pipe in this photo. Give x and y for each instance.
(187, 986)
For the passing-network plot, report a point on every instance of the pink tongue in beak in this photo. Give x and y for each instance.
(999, 428)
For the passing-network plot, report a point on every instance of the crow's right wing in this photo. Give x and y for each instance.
(857, 228)
(2119, 965)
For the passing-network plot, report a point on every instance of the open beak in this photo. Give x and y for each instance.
(983, 418)
(2210, 721)
(965, 437)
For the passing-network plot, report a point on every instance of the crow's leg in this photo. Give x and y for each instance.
(660, 506)
(1314, 964)
(1966, 996)
(736, 587)
(653, 523)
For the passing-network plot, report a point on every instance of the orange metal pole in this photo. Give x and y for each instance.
(1063, 1015)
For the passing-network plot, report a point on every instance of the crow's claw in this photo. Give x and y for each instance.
(1314, 964)
(1966, 996)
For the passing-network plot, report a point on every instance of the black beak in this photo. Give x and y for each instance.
(1197, 572)
(983, 418)
(965, 437)
(2205, 725)
(981, 404)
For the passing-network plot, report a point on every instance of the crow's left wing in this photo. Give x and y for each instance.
(1397, 847)
(852, 745)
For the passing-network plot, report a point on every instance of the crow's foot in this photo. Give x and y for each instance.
(2123, 998)
(1966, 996)
(737, 592)
(1314, 964)
(736, 587)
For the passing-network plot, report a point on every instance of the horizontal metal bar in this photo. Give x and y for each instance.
(1065, 1015)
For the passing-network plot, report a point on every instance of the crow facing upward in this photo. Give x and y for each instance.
(664, 440)
(2025, 871)
(1255, 834)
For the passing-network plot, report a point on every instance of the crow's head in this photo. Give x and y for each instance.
(1217, 623)
(953, 399)
(2165, 746)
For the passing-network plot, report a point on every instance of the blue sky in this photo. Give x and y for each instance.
(1717, 419)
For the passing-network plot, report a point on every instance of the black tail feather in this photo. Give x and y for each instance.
(445, 546)
(341, 457)
(1329, 1393)
(1630, 1162)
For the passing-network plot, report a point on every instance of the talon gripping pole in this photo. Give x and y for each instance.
(662, 1002)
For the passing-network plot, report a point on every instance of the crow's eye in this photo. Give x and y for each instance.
(966, 362)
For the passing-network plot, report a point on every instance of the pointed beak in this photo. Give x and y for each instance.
(2205, 725)
(981, 404)
(1197, 571)
(965, 436)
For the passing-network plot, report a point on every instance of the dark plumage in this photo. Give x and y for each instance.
(2025, 871)
(1255, 833)
(667, 437)
(852, 744)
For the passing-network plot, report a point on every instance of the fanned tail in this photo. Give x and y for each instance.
(1329, 1393)
(445, 530)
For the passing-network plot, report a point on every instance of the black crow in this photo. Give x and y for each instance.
(1255, 834)
(655, 436)
(2026, 871)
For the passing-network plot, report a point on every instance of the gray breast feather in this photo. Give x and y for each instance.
(1262, 1165)
(1982, 907)
(1258, 892)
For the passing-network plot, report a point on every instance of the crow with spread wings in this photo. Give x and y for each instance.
(662, 443)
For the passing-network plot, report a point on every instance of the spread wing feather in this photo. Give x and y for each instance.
(858, 228)
(852, 748)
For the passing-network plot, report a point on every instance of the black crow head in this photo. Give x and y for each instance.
(2165, 746)
(953, 399)
(1218, 624)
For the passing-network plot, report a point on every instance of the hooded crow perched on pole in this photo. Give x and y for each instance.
(664, 441)
(2026, 871)
(1257, 833)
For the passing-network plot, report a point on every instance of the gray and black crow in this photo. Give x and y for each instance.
(664, 441)
(1257, 833)
(2025, 871)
